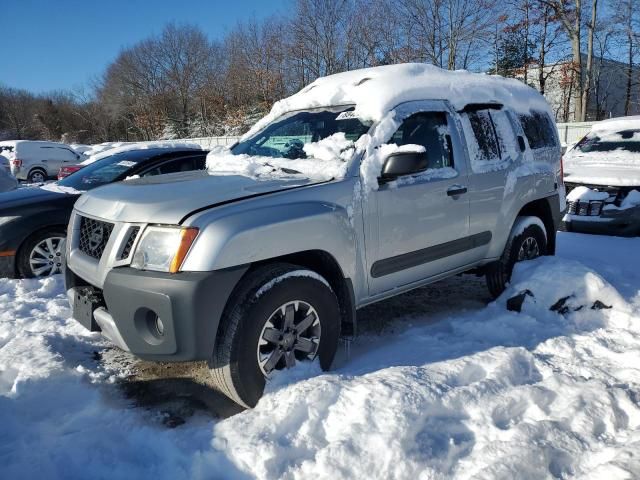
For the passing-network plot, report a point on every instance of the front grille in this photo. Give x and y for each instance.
(126, 251)
(94, 235)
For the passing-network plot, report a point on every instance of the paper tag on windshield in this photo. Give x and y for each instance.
(126, 163)
(347, 115)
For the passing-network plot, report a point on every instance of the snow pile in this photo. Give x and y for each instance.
(120, 147)
(492, 395)
(374, 91)
(551, 391)
(632, 200)
(327, 159)
(585, 194)
(330, 148)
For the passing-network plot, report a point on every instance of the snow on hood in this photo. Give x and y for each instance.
(119, 147)
(326, 159)
(618, 168)
(54, 187)
(374, 91)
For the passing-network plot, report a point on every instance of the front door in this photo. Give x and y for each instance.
(422, 220)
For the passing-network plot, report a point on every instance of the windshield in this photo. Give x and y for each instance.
(102, 171)
(625, 140)
(286, 138)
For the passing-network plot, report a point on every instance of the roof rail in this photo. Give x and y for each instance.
(473, 107)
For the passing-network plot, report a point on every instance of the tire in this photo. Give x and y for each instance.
(255, 311)
(34, 258)
(37, 175)
(499, 273)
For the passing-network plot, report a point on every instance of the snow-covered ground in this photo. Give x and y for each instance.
(440, 385)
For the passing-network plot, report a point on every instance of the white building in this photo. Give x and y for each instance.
(608, 89)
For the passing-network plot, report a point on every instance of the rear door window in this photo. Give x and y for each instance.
(539, 130)
(491, 139)
(174, 166)
(484, 133)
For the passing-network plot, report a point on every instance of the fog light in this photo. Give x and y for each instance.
(159, 326)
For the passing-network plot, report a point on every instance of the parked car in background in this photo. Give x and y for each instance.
(412, 175)
(602, 178)
(89, 153)
(37, 161)
(7, 181)
(68, 170)
(33, 220)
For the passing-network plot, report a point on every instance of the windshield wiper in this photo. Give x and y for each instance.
(290, 171)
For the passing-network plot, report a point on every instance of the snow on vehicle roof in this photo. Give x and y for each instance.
(374, 91)
(617, 124)
(139, 146)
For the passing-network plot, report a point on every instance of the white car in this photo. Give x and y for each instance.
(36, 161)
(602, 178)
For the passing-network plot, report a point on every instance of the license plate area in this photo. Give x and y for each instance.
(85, 301)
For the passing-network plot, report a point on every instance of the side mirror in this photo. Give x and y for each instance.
(403, 163)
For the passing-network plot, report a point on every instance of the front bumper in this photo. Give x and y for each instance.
(624, 223)
(189, 304)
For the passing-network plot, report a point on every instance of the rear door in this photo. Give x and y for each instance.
(494, 152)
(419, 227)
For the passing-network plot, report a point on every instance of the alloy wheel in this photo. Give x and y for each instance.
(37, 177)
(47, 257)
(291, 334)
(529, 249)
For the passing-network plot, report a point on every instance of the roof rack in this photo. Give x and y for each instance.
(474, 107)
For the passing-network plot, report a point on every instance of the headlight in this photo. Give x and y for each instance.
(163, 249)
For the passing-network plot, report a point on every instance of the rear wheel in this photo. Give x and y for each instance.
(37, 175)
(527, 245)
(280, 316)
(42, 254)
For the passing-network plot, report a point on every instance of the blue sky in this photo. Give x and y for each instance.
(63, 44)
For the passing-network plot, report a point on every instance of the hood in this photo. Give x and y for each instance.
(28, 196)
(169, 198)
(611, 170)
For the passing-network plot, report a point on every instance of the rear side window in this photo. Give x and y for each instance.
(485, 135)
(177, 165)
(491, 139)
(539, 129)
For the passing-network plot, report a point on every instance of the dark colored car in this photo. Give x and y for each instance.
(33, 220)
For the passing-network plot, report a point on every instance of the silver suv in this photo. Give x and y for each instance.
(411, 175)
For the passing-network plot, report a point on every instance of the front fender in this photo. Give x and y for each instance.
(272, 231)
(14, 232)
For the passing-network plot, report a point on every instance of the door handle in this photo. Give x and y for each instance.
(455, 190)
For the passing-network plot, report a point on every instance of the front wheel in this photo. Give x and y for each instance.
(528, 244)
(42, 254)
(280, 316)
